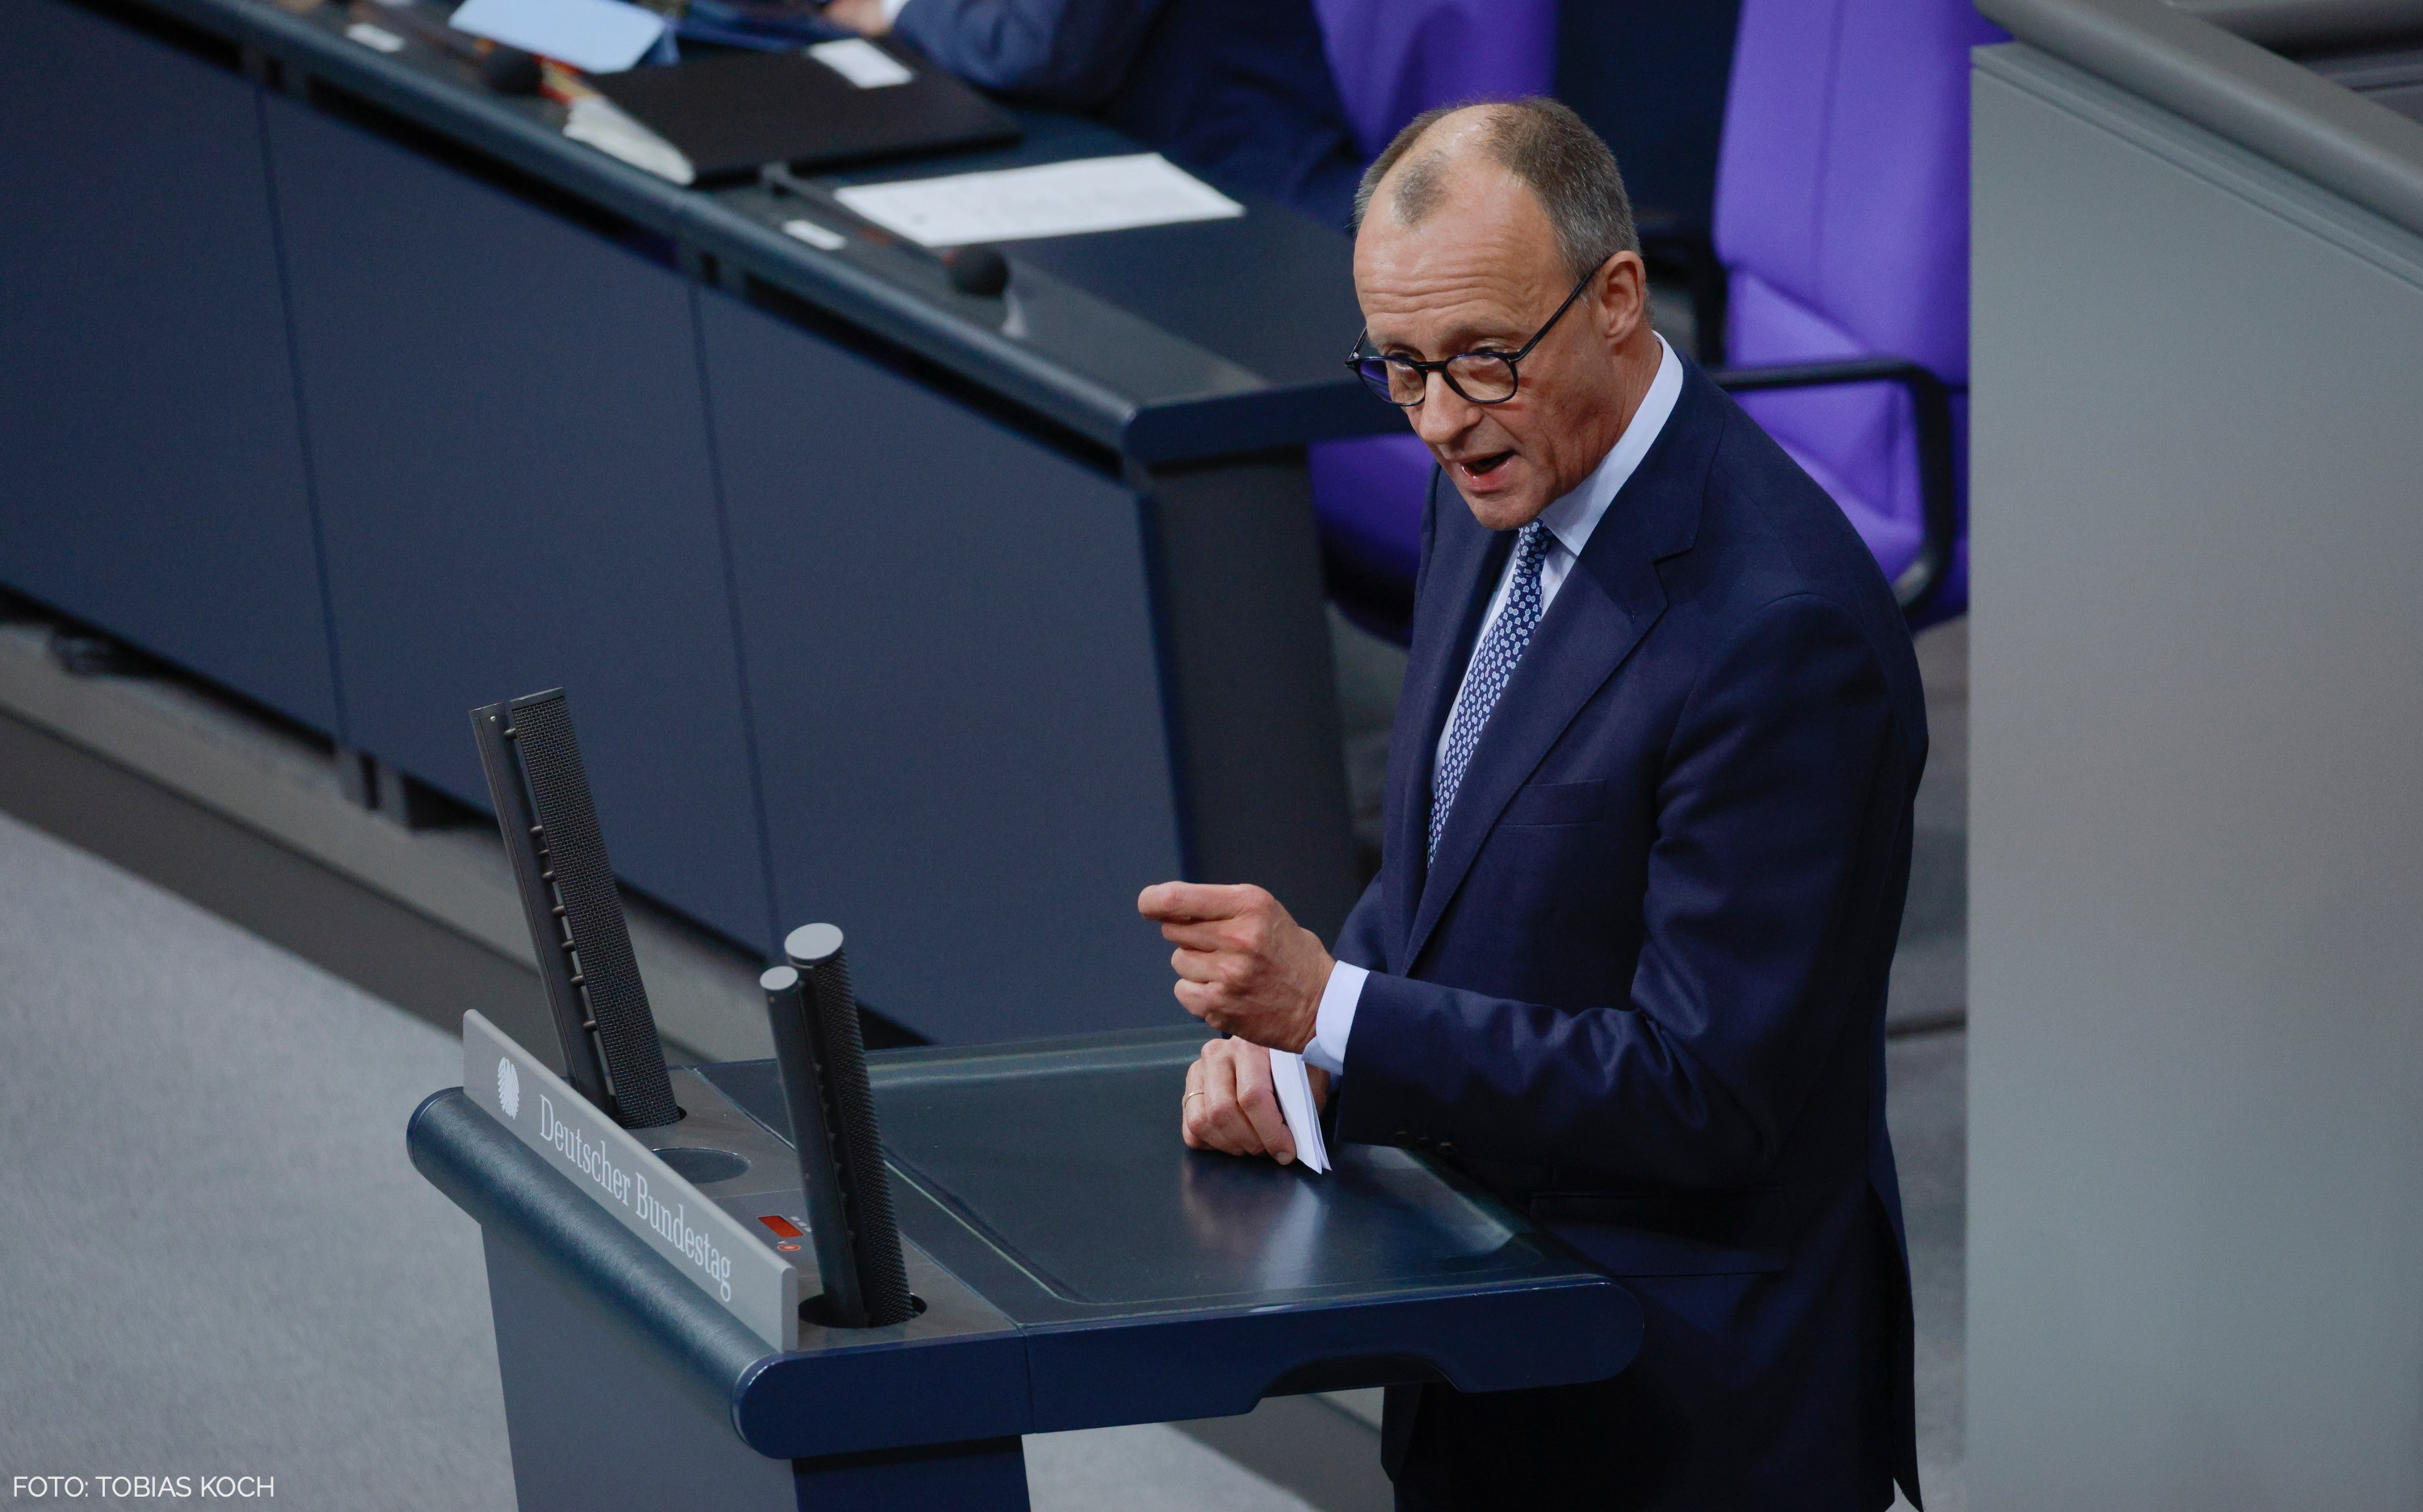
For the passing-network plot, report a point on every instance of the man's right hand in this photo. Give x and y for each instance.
(1231, 1105)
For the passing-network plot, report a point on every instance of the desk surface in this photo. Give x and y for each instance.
(1053, 1179)
(1080, 1267)
(1163, 343)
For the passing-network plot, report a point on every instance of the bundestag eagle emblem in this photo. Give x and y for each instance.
(509, 1088)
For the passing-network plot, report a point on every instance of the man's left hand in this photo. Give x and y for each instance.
(1244, 965)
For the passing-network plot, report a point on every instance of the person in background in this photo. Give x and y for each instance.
(1237, 91)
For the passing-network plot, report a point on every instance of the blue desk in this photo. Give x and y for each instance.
(155, 470)
(1080, 1268)
(961, 618)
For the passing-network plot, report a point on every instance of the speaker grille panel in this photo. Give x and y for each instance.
(574, 853)
(866, 1185)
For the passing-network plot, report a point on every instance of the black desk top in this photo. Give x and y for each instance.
(1163, 343)
(1050, 1177)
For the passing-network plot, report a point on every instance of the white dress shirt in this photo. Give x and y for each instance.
(1570, 520)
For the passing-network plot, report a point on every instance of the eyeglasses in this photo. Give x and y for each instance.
(1486, 377)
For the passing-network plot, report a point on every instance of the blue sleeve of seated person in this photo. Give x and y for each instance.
(1069, 52)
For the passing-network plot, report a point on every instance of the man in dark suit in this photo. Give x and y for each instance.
(1238, 90)
(1648, 836)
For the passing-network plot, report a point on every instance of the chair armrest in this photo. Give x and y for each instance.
(1930, 400)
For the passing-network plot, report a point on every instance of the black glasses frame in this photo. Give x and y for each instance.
(1355, 359)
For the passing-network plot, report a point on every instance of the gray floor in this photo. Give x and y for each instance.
(217, 1258)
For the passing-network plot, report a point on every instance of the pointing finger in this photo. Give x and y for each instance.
(1189, 901)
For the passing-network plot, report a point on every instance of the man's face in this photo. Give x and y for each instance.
(1481, 270)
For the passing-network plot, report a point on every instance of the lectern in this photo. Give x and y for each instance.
(1072, 1264)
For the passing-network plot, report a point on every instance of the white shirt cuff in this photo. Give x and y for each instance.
(892, 9)
(1335, 1021)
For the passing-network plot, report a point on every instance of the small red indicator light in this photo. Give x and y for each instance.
(786, 1246)
(782, 1226)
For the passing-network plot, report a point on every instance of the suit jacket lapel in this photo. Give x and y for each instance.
(1605, 605)
(1465, 564)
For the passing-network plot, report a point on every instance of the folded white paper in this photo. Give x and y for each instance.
(599, 121)
(862, 63)
(594, 36)
(1093, 194)
(814, 235)
(1294, 1084)
(377, 38)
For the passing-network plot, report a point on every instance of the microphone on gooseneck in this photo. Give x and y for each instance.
(977, 268)
(821, 1053)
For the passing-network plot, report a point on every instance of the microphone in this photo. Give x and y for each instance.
(978, 269)
(821, 1053)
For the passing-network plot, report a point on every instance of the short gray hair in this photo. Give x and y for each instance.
(1545, 145)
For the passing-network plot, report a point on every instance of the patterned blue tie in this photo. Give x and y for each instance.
(1492, 665)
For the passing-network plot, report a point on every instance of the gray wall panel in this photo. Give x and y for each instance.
(949, 644)
(511, 449)
(151, 473)
(2196, 936)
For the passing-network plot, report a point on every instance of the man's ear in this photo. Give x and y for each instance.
(1621, 296)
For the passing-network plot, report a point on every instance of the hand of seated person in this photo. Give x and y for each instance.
(1232, 1107)
(865, 17)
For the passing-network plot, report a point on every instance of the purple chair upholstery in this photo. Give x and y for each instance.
(1395, 59)
(1842, 217)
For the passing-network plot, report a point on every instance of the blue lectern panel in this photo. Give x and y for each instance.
(950, 653)
(155, 479)
(1051, 1179)
(511, 456)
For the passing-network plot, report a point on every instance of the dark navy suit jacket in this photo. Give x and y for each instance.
(1642, 991)
(1239, 91)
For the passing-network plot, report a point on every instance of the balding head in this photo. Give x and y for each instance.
(1501, 233)
(1543, 145)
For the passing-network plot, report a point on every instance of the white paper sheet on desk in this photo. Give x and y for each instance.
(862, 63)
(1092, 194)
(1294, 1084)
(594, 36)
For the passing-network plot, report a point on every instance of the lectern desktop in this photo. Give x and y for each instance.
(1074, 1265)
